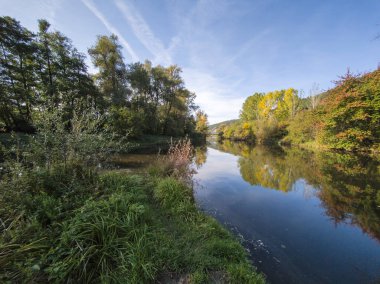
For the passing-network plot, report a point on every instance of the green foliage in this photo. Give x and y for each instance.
(250, 110)
(241, 273)
(34, 204)
(40, 70)
(63, 222)
(303, 127)
(126, 122)
(106, 56)
(269, 131)
(201, 123)
(352, 113)
(263, 117)
(45, 72)
(345, 117)
(81, 139)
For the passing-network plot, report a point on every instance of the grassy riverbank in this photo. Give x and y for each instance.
(63, 219)
(71, 224)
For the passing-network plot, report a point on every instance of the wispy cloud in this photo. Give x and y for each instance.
(91, 6)
(210, 70)
(52, 6)
(143, 32)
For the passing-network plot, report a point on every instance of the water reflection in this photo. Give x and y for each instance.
(348, 185)
(200, 156)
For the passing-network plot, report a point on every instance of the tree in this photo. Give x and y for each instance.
(290, 103)
(64, 81)
(352, 112)
(314, 96)
(42, 71)
(111, 78)
(201, 123)
(17, 74)
(250, 110)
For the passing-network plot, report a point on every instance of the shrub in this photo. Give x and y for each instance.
(352, 113)
(269, 131)
(303, 127)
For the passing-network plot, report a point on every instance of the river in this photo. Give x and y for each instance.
(303, 217)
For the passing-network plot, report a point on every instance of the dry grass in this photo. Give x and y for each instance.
(177, 163)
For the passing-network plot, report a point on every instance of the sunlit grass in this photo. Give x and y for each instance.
(123, 228)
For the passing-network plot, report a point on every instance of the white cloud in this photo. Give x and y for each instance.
(211, 71)
(91, 6)
(144, 34)
(213, 95)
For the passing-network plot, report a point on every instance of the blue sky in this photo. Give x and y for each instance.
(227, 49)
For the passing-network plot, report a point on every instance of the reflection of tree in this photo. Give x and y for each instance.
(351, 190)
(200, 156)
(237, 148)
(269, 170)
(348, 185)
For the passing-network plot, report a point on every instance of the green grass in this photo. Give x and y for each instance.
(71, 225)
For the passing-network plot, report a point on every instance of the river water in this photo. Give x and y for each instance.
(303, 217)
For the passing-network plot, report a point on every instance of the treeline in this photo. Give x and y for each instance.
(346, 117)
(43, 71)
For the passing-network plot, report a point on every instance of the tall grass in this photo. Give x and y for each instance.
(107, 240)
(177, 163)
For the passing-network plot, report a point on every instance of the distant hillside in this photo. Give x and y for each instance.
(214, 127)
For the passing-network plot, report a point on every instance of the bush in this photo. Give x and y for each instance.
(303, 127)
(269, 131)
(352, 113)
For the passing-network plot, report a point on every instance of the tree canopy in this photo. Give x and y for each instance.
(43, 71)
(345, 117)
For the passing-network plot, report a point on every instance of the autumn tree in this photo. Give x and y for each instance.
(201, 122)
(352, 113)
